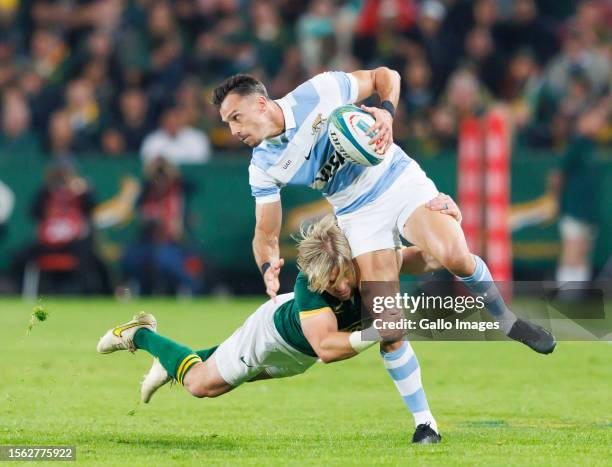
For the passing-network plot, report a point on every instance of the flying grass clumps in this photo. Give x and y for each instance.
(39, 313)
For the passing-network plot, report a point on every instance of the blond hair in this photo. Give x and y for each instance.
(322, 247)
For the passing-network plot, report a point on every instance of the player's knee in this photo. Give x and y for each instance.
(459, 261)
(198, 389)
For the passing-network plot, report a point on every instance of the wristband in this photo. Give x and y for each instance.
(264, 267)
(357, 344)
(389, 107)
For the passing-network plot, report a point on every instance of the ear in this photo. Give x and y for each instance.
(262, 103)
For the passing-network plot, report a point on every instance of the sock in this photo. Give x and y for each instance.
(175, 358)
(205, 354)
(481, 283)
(403, 367)
(572, 274)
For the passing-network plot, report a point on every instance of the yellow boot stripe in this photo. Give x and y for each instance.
(185, 364)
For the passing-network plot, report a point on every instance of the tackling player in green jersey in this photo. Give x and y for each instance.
(320, 320)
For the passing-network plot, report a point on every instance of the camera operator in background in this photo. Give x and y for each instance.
(64, 242)
(161, 260)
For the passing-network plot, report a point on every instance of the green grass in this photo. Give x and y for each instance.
(497, 403)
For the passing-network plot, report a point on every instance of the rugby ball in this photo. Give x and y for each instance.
(347, 132)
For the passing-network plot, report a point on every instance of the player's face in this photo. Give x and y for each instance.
(341, 287)
(246, 116)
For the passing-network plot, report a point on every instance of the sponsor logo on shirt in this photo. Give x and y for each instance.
(328, 170)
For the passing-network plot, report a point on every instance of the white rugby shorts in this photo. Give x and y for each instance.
(379, 224)
(256, 346)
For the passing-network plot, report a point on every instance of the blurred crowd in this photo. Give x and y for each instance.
(117, 77)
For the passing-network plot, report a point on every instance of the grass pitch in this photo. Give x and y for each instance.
(496, 403)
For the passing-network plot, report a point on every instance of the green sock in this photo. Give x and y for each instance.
(205, 354)
(177, 359)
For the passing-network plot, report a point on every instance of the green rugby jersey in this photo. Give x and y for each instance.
(306, 303)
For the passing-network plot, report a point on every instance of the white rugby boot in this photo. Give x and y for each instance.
(122, 337)
(153, 380)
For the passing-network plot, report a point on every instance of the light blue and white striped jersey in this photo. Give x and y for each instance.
(304, 155)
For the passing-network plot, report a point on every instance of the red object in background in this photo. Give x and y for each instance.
(64, 219)
(57, 262)
(404, 13)
(483, 188)
(497, 197)
(469, 182)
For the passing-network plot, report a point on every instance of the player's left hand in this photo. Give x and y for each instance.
(446, 205)
(271, 279)
(382, 130)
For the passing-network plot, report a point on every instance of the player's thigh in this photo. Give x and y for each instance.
(439, 235)
(370, 231)
(252, 347)
(380, 265)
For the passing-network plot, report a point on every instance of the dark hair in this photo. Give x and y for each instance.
(241, 84)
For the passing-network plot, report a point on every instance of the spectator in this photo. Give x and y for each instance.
(573, 80)
(176, 142)
(316, 37)
(465, 96)
(113, 143)
(8, 71)
(42, 97)
(77, 19)
(379, 20)
(166, 52)
(483, 57)
(96, 65)
(188, 99)
(577, 56)
(520, 87)
(162, 260)
(292, 73)
(575, 183)
(133, 122)
(269, 35)
(61, 136)
(528, 29)
(51, 56)
(16, 139)
(85, 116)
(439, 48)
(157, 45)
(418, 94)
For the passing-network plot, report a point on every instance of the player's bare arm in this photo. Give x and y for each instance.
(322, 333)
(268, 219)
(386, 83)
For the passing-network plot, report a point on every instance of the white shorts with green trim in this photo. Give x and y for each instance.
(256, 346)
(379, 224)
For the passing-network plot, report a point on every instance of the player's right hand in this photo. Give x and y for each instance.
(446, 205)
(271, 277)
